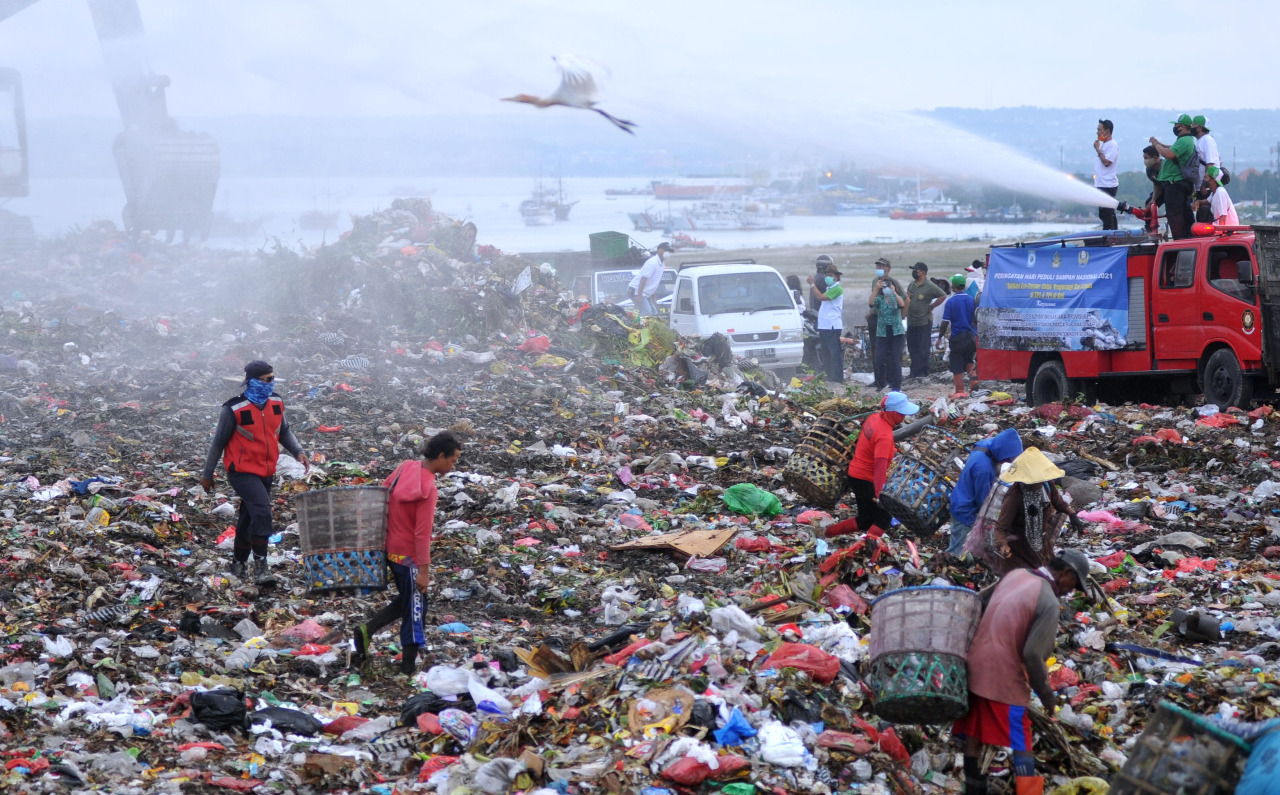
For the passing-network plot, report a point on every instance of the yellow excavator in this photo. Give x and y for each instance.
(170, 176)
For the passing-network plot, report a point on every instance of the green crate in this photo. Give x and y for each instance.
(609, 245)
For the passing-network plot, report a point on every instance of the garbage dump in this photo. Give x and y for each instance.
(628, 592)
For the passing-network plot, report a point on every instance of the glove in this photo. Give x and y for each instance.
(1077, 524)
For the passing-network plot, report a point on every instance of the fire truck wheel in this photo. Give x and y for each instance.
(1225, 384)
(1051, 385)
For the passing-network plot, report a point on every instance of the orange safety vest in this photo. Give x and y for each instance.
(255, 445)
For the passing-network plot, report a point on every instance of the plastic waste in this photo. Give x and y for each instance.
(496, 776)
(735, 730)
(781, 745)
(286, 721)
(487, 699)
(448, 681)
(219, 709)
(751, 500)
(732, 617)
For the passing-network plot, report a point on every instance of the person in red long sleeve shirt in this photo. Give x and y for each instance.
(411, 510)
(870, 466)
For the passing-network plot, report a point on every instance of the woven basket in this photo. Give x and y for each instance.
(918, 490)
(1183, 753)
(343, 538)
(817, 470)
(919, 640)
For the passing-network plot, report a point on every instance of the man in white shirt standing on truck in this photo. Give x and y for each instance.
(1104, 172)
(644, 285)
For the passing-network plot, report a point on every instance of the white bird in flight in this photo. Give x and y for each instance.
(577, 90)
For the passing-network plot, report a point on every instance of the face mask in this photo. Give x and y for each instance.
(879, 271)
(258, 391)
(830, 281)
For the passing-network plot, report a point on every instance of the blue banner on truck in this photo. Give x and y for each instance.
(1055, 299)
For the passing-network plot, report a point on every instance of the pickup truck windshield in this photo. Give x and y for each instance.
(742, 292)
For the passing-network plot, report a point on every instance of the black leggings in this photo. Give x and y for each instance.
(870, 514)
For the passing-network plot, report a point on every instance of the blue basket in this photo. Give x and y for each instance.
(918, 490)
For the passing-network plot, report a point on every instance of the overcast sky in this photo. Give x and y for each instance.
(378, 57)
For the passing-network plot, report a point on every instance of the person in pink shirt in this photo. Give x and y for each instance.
(411, 510)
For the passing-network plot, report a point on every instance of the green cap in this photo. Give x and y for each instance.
(1214, 172)
(1200, 121)
(1183, 119)
(959, 280)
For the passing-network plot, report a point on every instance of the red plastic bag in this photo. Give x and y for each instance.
(1112, 560)
(1063, 678)
(1219, 420)
(434, 765)
(891, 745)
(689, 772)
(309, 649)
(817, 663)
(341, 726)
(813, 516)
(429, 722)
(535, 345)
(308, 631)
(844, 741)
(624, 654)
(844, 596)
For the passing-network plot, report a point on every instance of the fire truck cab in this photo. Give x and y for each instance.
(1203, 317)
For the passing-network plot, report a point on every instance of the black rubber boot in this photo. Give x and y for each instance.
(262, 572)
(239, 569)
(361, 638)
(409, 661)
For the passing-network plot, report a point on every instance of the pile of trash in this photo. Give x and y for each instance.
(626, 596)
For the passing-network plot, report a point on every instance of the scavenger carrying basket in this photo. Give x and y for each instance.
(1183, 753)
(919, 640)
(918, 490)
(818, 468)
(343, 536)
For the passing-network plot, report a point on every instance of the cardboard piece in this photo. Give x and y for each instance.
(690, 543)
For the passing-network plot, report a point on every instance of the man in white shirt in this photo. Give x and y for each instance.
(644, 285)
(1220, 204)
(1206, 147)
(1104, 173)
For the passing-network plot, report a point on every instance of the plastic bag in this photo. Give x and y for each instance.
(287, 721)
(430, 702)
(690, 772)
(735, 730)
(724, 619)
(817, 663)
(445, 680)
(488, 700)
(1262, 773)
(781, 745)
(460, 725)
(219, 709)
(307, 631)
(59, 648)
(751, 500)
(496, 776)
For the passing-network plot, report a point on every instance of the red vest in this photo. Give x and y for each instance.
(255, 445)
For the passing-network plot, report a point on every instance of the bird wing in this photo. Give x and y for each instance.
(578, 85)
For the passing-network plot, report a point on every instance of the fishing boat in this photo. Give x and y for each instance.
(544, 208)
(711, 217)
(700, 188)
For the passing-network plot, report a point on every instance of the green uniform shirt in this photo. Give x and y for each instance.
(922, 296)
(1171, 170)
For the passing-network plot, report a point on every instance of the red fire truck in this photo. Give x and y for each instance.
(1203, 317)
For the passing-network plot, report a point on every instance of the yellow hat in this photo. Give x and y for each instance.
(1031, 467)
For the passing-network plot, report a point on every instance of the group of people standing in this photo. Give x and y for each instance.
(1020, 618)
(898, 318)
(1187, 177)
(251, 430)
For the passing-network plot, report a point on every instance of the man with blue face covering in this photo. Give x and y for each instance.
(250, 430)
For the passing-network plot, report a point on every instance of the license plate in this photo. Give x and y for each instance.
(762, 353)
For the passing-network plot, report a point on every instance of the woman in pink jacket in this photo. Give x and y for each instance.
(411, 510)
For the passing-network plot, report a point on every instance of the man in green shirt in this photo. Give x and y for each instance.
(883, 266)
(1178, 187)
(923, 296)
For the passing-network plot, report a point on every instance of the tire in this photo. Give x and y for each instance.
(1051, 385)
(1225, 384)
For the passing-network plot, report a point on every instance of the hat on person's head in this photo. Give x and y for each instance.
(256, 369)
(1184, 119)
(823, 259)
(1213, 172)
(665, 246)
(1032, 467)
(884, 263)
(1201, 121)
(959, 280)
(897, 401)
(1079, 564)
(920, 266)
(833, 270)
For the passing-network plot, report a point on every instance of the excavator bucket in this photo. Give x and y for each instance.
(170, 179)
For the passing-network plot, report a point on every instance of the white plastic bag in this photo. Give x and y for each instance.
(725, 619)
(781, 745)
(58, 648)
(487, 699)
(444, 680)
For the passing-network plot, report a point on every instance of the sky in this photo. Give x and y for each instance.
(410, 57)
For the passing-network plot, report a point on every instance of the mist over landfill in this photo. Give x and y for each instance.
(328, 466)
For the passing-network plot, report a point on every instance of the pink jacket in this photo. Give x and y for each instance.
(411, 511)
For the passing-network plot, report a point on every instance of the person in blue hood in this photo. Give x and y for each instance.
(976, 480)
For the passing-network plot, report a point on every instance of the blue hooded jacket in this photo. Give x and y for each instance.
(980, 472)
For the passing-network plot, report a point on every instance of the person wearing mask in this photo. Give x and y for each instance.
(820, 266)
(883, 267)
(1032, 514)
(251, 429)
(1176, 176)
(887, 302)
(869, 469)
(644, 285)
(1222, 210)
(959, 317)
(1206, 149)
(975, 481)
(923, 296)
(1104, 172)
(830, 297)
(411, 510)
(1007, 662)
(1149, 211)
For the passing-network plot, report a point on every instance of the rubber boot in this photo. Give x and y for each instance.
(262, 572)
(1029, 785)
(238, 569)
(361, 641)
(847, 527)
(409, 660)
(876, 531)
